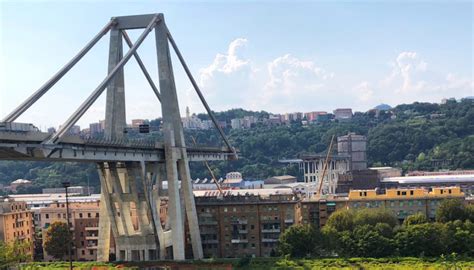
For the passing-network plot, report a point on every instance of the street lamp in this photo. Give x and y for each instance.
(67, 184)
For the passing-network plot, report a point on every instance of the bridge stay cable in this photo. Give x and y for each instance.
(142, 66)
(51, 82)
(198, 91)
(121, 164)
(98, 91)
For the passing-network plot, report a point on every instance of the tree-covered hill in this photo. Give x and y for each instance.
(422, 136)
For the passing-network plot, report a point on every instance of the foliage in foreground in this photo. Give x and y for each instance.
(449, 262)
(376, 233)
(13, 253)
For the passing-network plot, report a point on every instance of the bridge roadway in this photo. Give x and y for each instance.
(30, 145)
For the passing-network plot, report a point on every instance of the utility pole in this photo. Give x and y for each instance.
(66, 184)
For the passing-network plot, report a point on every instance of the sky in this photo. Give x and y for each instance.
(278, 56)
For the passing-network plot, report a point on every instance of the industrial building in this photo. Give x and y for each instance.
(354, 146)
(464, 181)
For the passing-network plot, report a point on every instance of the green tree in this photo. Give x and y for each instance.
(470, 212)
(57, 239)
(451, 210)
(13, 253)
(300, 241)
(341, 220)
(372, 216)
(418, 218)
(420, 240)
(369, 242)
(458, 237)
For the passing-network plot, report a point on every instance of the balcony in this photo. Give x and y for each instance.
(289, 220)
(239, 241)
(208, 215)
(91, 247)
(92, 237)
(269, 240)
(207, 222)
(273, 230)
(210, 241)
(92, 228)
(243, 231)
(208, 231)
(239, 221)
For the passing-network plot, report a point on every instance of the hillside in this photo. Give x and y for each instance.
(418, 136)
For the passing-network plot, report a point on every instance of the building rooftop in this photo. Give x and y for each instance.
(264, 192)
(430, 179)
(21, 181)
(52, 197)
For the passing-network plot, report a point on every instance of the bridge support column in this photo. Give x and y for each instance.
(175, 154)
(125, 211)
(115, 102)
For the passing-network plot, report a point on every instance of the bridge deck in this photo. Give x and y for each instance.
(29, 146)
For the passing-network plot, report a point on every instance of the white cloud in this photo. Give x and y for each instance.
(364, 92)
(228, 81)
(288, 83)
(412, 79)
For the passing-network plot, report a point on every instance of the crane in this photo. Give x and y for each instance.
(325, 167)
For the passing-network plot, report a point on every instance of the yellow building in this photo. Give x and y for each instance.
(438, 192)
(16, 224)
(404, 202)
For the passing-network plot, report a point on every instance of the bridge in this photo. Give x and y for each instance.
(131, 171)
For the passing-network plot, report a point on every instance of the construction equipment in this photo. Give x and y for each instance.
(325, 167)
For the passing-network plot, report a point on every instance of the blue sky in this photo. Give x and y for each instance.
(276, 56)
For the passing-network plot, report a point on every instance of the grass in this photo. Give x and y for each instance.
(273, 264)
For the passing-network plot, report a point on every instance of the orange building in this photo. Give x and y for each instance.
(16, 224)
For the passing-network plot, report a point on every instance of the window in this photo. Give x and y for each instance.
(91, 252)
(411, 192)
(83, 251)
(80, 215)
(47, 215)
(89, 215)
(225, 209)
(398, 193)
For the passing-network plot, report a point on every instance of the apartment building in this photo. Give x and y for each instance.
(405, 201)
(84, 222)
(16, 224)
(244, 225)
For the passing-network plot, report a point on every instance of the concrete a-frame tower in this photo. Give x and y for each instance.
(120, 178)
(131, 174)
